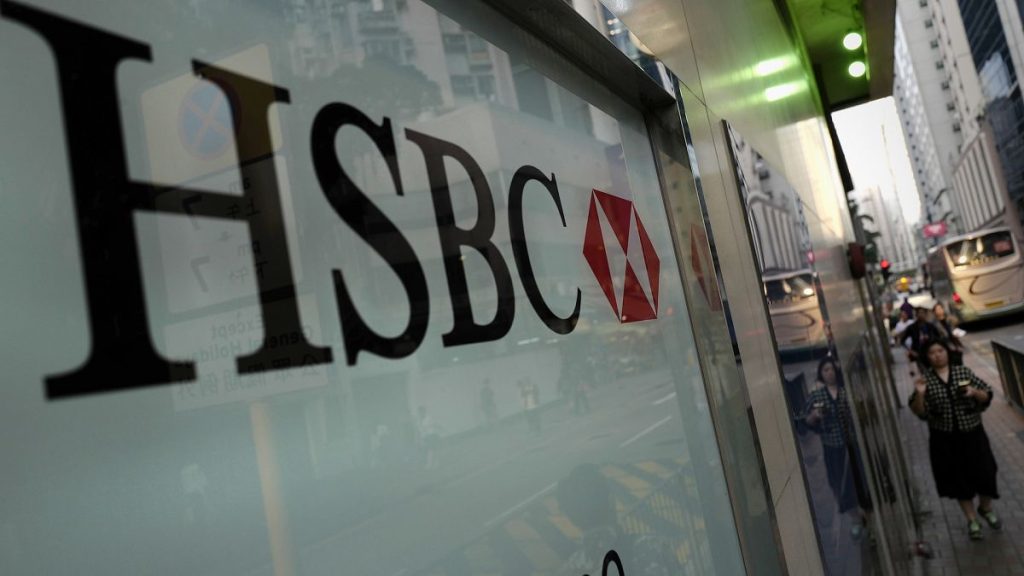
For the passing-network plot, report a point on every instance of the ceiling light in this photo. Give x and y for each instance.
(853, 40)
(857, 69)
(780, 91)
(770, 66)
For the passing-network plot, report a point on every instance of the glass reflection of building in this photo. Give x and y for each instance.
(818, 395)
(447, 79)
(781, 238)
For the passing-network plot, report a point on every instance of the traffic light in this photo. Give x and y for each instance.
(885, 265)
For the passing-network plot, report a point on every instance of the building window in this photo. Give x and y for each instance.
(464, 86)
(485, 86)
(454, 43)
(935, 43)
(929, 23)
(922, 3)
(940, 65)
(950, 106)
(956, 126)
(945, 84)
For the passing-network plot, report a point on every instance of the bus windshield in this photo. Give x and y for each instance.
(980, 250)
(792, 289)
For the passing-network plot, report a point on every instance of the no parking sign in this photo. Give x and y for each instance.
(189, 126)
(204, 122)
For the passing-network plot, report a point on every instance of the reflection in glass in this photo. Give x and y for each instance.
(819, 400)
(827, 413)
(527, 451)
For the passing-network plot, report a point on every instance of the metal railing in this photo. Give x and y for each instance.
(1010, 360)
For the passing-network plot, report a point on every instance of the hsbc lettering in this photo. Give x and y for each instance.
(123, 356)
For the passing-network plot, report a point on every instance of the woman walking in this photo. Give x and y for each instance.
(828, 414)
(951, 399)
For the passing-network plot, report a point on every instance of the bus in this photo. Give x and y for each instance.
(795, 311)
(978, 275)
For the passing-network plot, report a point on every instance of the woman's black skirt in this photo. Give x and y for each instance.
(963, 464)
(841, 476)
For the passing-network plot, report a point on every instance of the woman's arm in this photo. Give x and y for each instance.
(917, 401)
(812, 415)
(979, 390)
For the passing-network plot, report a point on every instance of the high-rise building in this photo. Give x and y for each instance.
(955, 85)
(993, 34)
(897, 241)
(926, 105)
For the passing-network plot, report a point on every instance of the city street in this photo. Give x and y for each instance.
(942, 523)
(495, 490)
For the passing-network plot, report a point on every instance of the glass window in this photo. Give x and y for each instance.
(844, 453)
(454, 43)
(463, 86)
(981, 250)
(485, 86)
(394, 327)
(789, 289)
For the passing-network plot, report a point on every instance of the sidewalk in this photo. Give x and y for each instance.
(942, 523)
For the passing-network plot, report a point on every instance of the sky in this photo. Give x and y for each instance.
(876, 152)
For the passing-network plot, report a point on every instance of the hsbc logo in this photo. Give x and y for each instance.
(622, 258)
(122, 356)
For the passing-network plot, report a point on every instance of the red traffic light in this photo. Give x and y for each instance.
(884, 264)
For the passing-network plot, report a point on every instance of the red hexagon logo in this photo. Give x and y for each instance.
(622, 257)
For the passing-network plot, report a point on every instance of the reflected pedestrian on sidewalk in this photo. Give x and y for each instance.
(580, 397)
(530, 393)
(951, 399)
(828, 414)
(487, 403)
(430, 437)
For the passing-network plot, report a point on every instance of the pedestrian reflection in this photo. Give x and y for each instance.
(828, 414)
(487, 404)
(530, 393)
(429, 436)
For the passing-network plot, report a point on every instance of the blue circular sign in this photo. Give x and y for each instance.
(204, 124)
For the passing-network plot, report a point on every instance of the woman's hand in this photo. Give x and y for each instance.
(977, 393)
(917, 404)
(814, 416)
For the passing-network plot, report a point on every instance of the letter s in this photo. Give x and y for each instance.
(375, 228)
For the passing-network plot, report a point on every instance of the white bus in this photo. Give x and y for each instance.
(978, 275)
(795, 311)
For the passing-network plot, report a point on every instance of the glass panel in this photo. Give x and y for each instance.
(819, 395)
(708, 307)
(309, 287)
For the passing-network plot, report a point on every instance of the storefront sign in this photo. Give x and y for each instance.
(934, 229)
(107, 199)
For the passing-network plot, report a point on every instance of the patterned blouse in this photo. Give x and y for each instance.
(945, 408)
(836, 419)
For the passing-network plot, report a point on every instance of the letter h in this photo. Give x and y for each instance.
(123, 356)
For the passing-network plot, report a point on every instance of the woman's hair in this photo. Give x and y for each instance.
(835, 368)
(928, 346)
